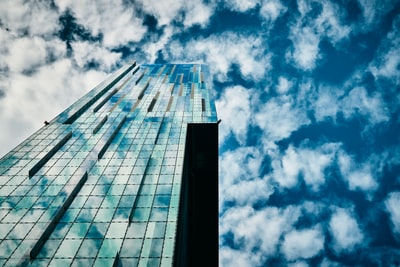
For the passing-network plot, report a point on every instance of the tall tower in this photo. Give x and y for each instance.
(126, 176)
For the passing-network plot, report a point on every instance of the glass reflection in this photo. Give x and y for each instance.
(49, 249)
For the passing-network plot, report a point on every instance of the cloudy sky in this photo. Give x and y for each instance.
(308, 93)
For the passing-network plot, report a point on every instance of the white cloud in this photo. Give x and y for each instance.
(298, 264)
(85, 52)
(308, 162)
(332, 101)
(243, 162)
(116, 22)
(306, 47)
(327, 103)
(256, 233)
(362, 179)
(392, 204)
(271, 10)
(152, 48)
(328, 263)
(314, 162)
(286, 171)
(40, 97)
(307, 33)
(279, 117)
(374, 10)
(34, 54)
(196, 12)
(221, 51)
(33, 17)
(303, 244)
(167, 11)
(329, 23)
(234, 109)
(242, 5)
(240, 179)
(387, 61)
(368, 8)
(238, 258)
(284, 85)
(371, 106)
(164, 11)
(345, 231)
(29, 53)
(37, 71)
(239, 165)
(248, 192)
(25, 104)
(358, 176)
(389, 64)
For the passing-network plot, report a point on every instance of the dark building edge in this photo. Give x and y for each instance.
(197, 230)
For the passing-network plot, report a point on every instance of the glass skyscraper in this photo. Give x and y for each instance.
(126, 176)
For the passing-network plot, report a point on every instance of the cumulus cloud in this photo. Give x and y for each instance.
(327, 263)
(387, 61)
(116, 22)
(307, 33)
(29, 17)
(165, 11)
(85, 52)
(388, 64)
(329, 23)
(370, 106)
(271, 10)
(221, 51)
(345, 231)
(243, 160)
(303, 244)
(236, 257)
(234, 109)
(356, 102)
(306, 161)
(287, 170)
(23, 59)
(298, 264)
(240, 181)
(248, 192)
(358, 176)
(152, 49)
(242, 6)
(306, 48)
(255, 232)
(279, 117)
(327, 103)
(195, 12)
(373, 11)
(37, 69)
(40, 96)
(392, 204)
(36, 52)
(284, 85)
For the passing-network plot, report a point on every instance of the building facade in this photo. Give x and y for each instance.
(126, 176)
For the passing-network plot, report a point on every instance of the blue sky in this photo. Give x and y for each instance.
(308, 93)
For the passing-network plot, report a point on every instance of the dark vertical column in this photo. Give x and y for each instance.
(197, 235)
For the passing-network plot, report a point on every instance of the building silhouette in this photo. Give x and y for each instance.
(126, 176)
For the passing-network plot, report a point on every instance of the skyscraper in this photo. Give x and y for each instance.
(127, 175)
